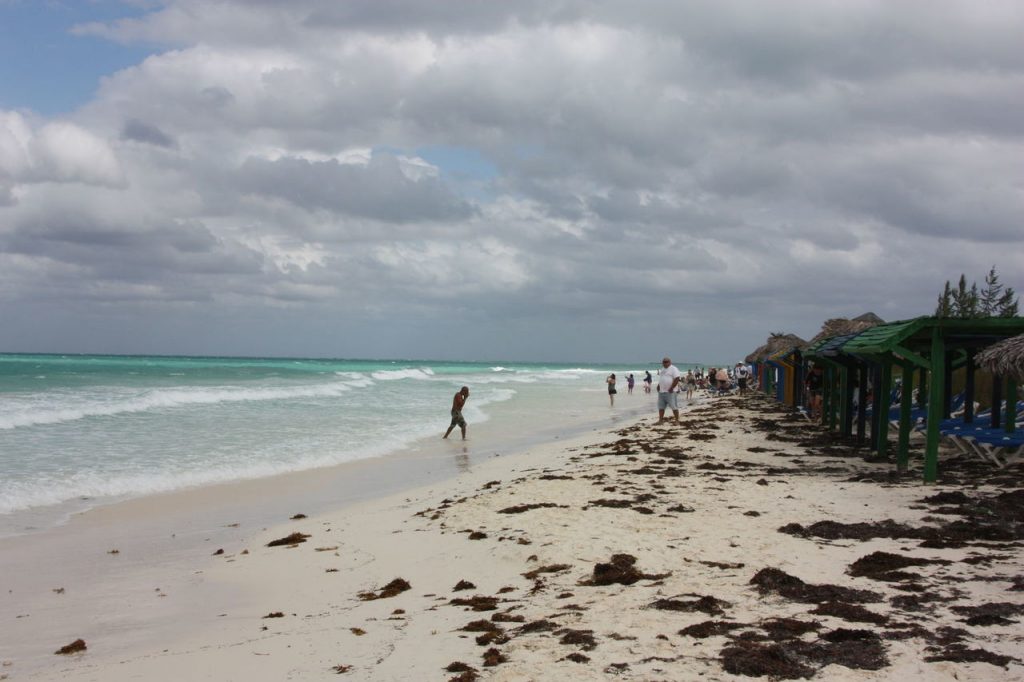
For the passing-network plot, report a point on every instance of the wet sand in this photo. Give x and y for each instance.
(743, 542)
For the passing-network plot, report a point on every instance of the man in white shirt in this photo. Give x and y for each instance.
(742, 374)
(668, 379)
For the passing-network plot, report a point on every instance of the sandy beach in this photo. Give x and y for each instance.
(742, 542)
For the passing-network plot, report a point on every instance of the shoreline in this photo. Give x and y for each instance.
(694, 516)
(498, 433)
(160, 537)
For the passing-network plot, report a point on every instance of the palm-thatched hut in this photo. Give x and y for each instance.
(775, 344)
(840, 326)
(758, 354)
(778, 365)
(1005, 358)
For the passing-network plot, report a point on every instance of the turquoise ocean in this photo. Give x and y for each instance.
(82, 430)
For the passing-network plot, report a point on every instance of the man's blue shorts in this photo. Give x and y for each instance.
(668, 401)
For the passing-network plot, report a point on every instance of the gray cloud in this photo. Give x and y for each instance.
(378, 190)
(140, 131)
(724, 169)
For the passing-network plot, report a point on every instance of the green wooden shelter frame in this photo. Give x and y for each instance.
(931, 345)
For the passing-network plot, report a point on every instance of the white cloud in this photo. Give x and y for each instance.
(745, 164)
(59, 152)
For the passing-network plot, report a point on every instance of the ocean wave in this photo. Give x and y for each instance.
(396, 374)
(103, 485)
(157, 399)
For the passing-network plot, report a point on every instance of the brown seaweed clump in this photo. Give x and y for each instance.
(289, 540)
(620, 569)
(581, 638)
(706, 604)
(469, 673)
(759, 660)
(73, 648)
(886, 566)
(795, 658)
(477, 603)
(520, 508)
(709, 628)
(769, 580)
(493, 657)
(550, 568)
(393, 588)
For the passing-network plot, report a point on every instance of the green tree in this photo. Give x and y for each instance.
(1008, 304)
(965, 301)
(991, 294)
(968, 303)
(945, 307)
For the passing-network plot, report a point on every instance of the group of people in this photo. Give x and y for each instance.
(630, 384)
(671, 382)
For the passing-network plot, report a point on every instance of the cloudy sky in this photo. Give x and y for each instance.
(538, 180)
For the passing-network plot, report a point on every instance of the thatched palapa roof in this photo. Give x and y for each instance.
(1005, 358)
(776, 343)
(839, 326)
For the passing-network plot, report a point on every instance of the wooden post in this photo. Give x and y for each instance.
(935, 406)
(922, 388)
(845, 402)
(876, 382)
(969, 389)
(903, 449)
(826, 397)
(862, 399)
(883, 399)
(833, 408)
(997, 399)
(1011, 404)
(947, 393)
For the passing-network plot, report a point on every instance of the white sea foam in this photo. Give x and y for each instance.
(396, 374)
(157, 399)
(168, 431)
(107, 485)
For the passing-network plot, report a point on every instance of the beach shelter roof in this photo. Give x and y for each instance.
(869, 317)
(1005, 358)
(837, 326)
(829, 347)
(758, 353)
(777, 344)
(908, 337)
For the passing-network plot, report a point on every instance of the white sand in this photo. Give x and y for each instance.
(210, 622)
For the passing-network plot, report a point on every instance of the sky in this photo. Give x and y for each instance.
(559, 180)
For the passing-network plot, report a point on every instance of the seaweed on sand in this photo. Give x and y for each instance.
(620, 569)
(774, 580)
(393, 588)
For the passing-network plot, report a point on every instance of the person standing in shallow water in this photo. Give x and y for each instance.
(457, 420)
(611, 389)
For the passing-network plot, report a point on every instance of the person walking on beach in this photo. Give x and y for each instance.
(611, 389)
(742, 374)
(815, 380)
(647, 381)
(668, 380)
(457, 420)
(629, 383)
(691, 384)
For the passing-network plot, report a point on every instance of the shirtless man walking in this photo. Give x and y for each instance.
(457, 420)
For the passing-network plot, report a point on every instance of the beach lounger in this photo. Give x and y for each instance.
(996, 445)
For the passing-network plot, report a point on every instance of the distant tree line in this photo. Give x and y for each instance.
(965, 303)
